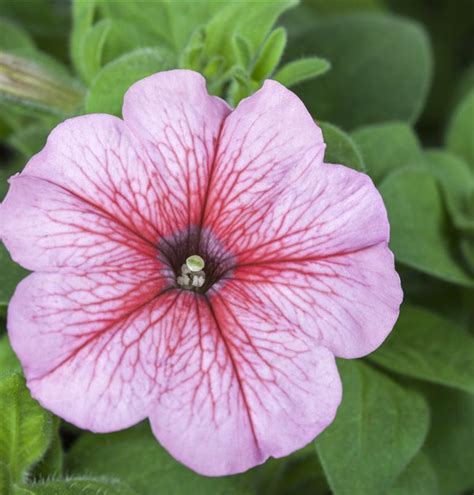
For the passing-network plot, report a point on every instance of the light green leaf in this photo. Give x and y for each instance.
(10, 275)
(420, 234)
(8, 360)
(25, 428)
(82, 19)
(12, 37)
(381, 68)
(377, 420)
(449, 443)
(108, 88)
(270, 55)
(419, 478)
(301, 70)
(341, 148)
(78, 486)
(425, 346)
(154, 470)
(387, 147)
(251, 20)
(460, 135)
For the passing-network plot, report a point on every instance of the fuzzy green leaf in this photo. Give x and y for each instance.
(460, 135)
(108, 88)
(377, 420)
(340, 148)
(301, 70)
(420, 234)
(77, 486)
(380, 68)
(425, 346)
(270, 55)
(387, 147)
(25, 429)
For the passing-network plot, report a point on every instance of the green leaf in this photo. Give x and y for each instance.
(154, 470)
(457, 182)
(420, 235)
(460, 134)
(270, 55)
(449, 443)
(341, 148)
(8, 360)
(29, 139)
(418, 478)
(251, 20)
(78, 486)
(5, 481)
(108, 88)
(380, 69)
(12, 37)
(301, 70)
(91, 49)
(82, 19)
(379, 428)
(10, 276)
(25, 428)
(425, 346)
(387, 147)
(51, 465)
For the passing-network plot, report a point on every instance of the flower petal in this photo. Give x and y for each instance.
(236, 390)
(321, 260)
(86, 343)
(179, 125)
(86, 199)
(266, 148)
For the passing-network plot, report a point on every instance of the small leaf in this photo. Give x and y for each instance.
(388, 147)
(8, 360)
(270, 55)
(460, 135)
(242, 51)
(25, 428)
(78, 486)
(425, 346)
(420, 234)
(10, 275)
(341, 148)
(377, 420)
(108, 88)
(82, 19)
(301, 70)
(154, 470)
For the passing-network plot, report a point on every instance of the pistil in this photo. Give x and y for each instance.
(192, 273)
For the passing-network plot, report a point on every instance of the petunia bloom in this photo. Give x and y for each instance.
(198, 266)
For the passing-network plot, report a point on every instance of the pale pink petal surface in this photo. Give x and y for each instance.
(297, 271)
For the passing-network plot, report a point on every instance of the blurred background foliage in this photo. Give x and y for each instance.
(391, 83)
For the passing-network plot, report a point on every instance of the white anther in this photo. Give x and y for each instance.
(185, 270)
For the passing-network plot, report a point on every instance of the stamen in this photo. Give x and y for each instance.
(192, 275)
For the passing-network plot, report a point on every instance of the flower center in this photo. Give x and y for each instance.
(192, 273)
(194, 260)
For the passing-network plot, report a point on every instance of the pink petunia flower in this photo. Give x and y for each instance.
(198, 266)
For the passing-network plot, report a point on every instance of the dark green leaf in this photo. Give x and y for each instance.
(419, 478)
(30, 139)
(108, 88)
(301, 70)
(341, 148)
(12, 37)
(154, 470)
(10, 274)
(25, 428)
(425, 346)
(460, 135)
(380, 69)
(379, 428)
(449, 443)
(387, 147)
(419, 230)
